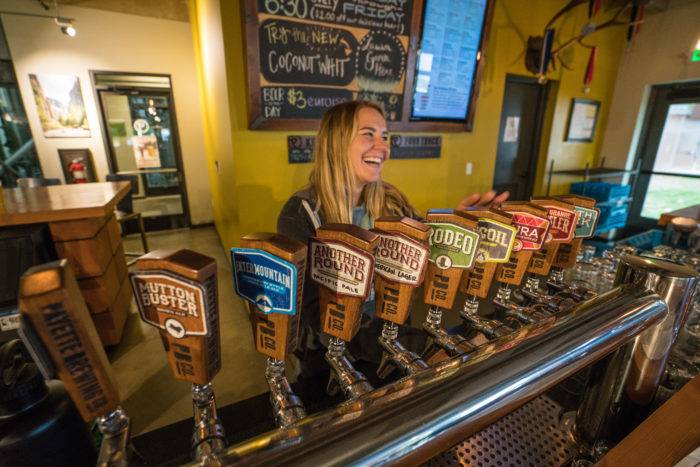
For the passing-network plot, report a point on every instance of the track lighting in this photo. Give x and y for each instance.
(66, 25)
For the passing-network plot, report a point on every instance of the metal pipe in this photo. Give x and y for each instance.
(115, 431)
(352, 382)
(208, 438)
(419, 416)
(438, 338)
(623, 385)
(286, 405)
(395, 354)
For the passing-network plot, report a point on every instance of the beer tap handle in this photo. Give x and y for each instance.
(401, 258)
(269, 272)
(51, 303)
(342, 263)
(454, 242)
(176, 292)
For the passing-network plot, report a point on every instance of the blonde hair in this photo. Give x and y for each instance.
(332, 179)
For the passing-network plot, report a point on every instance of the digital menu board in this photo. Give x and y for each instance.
(447, 62)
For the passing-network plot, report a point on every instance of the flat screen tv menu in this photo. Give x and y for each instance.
(447, 61)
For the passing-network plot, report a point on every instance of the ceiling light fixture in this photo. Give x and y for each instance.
(66, 25)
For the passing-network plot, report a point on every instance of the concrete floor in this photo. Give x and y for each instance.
(149, 393)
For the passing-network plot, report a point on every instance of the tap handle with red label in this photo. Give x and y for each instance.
(495, 247)
(562, 225)
(588, 216)
(268, 272)
(400, 261)
(176, 292)
(50, 299)
(341, 261)
(454, 242)
(532, 226)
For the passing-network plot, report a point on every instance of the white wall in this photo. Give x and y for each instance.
(659, 54)
(108, 41)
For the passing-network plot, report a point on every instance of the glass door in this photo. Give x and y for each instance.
(141, 134)
(670, 154)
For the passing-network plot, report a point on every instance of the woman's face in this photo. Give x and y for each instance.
(369, 149)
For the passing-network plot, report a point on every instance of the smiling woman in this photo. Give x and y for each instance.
(346, 187)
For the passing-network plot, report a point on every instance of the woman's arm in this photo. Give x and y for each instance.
(486, 199)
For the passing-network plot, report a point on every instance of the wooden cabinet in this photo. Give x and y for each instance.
(85, 232)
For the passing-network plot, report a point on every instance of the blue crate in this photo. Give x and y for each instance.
(601, 191)
(612, 217)
(645, 240)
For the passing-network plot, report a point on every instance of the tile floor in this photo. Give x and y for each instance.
(149, 393)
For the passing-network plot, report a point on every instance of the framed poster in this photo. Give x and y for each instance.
(582, 120)
(77, 165)
(59, 104)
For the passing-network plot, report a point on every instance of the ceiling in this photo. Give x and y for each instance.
(175, 10)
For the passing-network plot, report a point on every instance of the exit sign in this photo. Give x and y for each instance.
(696, 56)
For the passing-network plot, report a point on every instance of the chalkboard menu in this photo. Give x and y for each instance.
(304, 56)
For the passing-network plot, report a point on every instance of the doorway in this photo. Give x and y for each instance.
(522, 117)
(669, 152)
(140, 132)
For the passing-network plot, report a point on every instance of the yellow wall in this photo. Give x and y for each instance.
(251, 199)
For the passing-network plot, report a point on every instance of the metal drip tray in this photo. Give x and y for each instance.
(530, 436)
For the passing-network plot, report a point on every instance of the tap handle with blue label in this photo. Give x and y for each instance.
(268, 272)
(586, 224)
(454, 241)
(497, 237)
(176, 292)
(341, 261)
(400, 262)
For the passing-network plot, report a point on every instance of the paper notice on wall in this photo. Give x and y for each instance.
(146, 151)
(510, 135)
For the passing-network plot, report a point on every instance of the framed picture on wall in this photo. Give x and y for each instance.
(59, 104)
(582, 120)
(77, 165)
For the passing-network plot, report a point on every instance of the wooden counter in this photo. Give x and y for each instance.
(667, 436)
(691, 211)
(85, 232)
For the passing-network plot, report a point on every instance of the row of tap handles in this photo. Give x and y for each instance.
(176, 291)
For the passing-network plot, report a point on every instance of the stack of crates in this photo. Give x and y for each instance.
(612, 200)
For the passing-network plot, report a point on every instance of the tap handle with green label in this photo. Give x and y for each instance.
(454, 242)
(497, 237)
(587, 221)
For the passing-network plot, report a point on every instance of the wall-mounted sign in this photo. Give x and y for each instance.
(339, 50)
(415, 147)
(300, 148)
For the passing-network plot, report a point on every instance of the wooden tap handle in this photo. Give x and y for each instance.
(400, 261)
(495, 247)
(532, 226)
(562, 225)
(176, 291)
(51, 300)
(588, 216)
(269, 272)
(342, 263)
(454, 242)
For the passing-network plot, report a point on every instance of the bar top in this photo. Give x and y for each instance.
(60, 202)
(691, 211)
(666, 437)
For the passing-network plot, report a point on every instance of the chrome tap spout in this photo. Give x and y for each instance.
(286, 405)
(343, 375)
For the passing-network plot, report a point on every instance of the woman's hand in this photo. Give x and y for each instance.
(483, 200)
